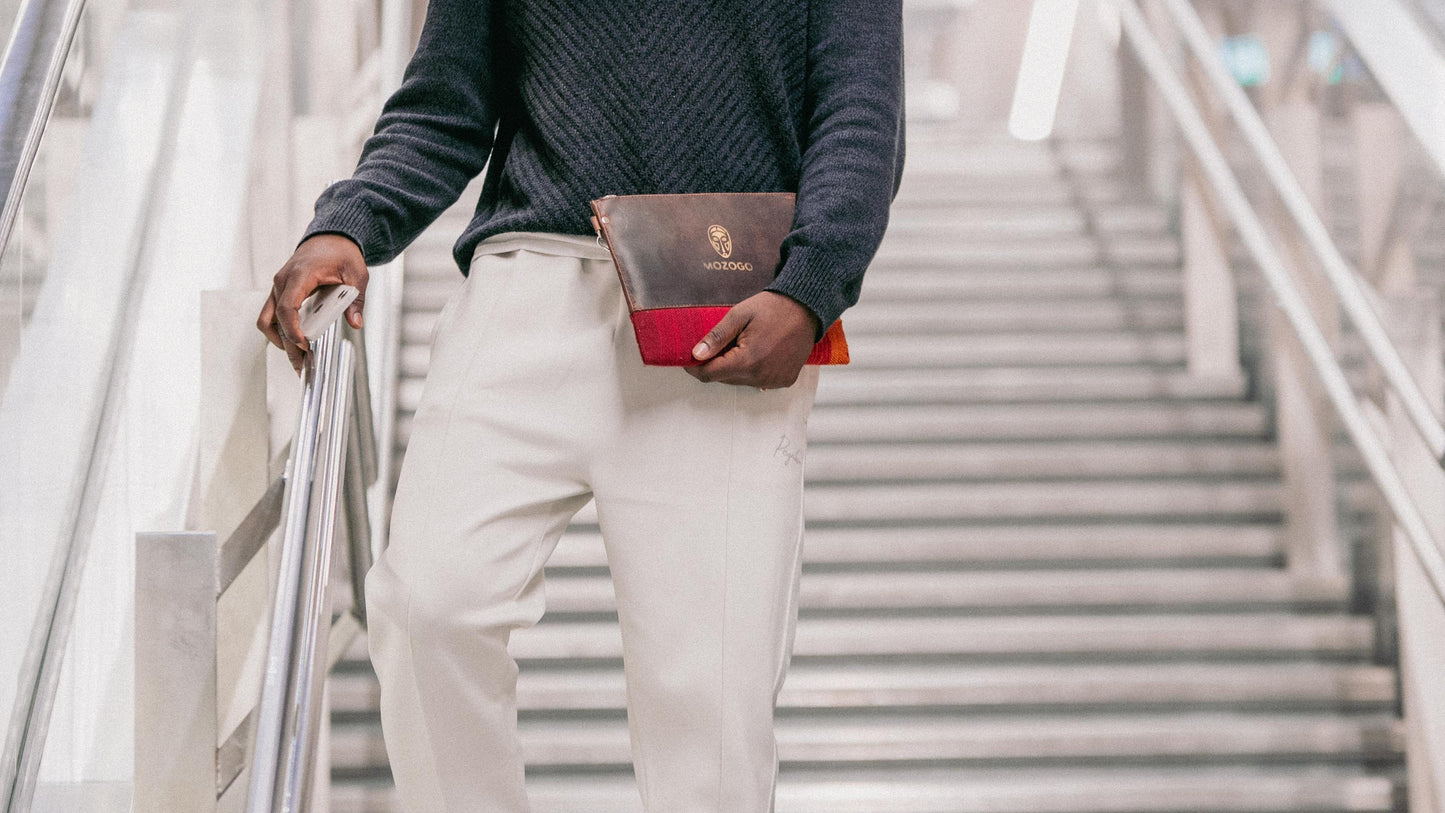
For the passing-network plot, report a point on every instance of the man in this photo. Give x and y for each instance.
(537, 400)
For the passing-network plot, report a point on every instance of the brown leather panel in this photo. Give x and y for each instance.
(694, 249)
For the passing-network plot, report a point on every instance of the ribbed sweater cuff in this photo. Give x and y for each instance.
(807, 277)
(352, 219)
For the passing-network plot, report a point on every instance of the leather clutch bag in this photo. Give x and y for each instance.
(684, 260)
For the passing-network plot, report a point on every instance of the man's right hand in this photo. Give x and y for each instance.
(323, 259)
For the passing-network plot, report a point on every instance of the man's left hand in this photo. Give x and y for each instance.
(762, 342)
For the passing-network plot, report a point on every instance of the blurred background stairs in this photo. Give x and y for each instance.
(1044, 565)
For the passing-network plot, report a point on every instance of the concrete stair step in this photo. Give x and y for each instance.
(842, 463)
(1016, 385)
(989, 422)
(1058, 500)
(1057, 545)
(1056, 789)
(430, 261)
(930, 190)
(982, 162)
(1064, 499)
(1009, 316)
(1017, 349)
(1029, 222)
(1024, 590)
(1023, 283)
(1035, 500)
(1018, 688)
(963, 250)
(1134, 635)
(937, 250)
(1052, 501)
(846, 423)
(429, 292)
(928, 422)
(839, 738)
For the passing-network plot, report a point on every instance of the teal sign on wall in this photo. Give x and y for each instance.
(1326, 56)
(1247, 59)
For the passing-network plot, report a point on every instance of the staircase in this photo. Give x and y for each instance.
(1044, 565)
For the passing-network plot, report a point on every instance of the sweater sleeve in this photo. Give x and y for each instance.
(433, 136)
(852, 155)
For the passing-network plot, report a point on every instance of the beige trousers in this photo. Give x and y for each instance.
(536, 402)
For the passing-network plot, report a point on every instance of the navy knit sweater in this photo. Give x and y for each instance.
(571, 100)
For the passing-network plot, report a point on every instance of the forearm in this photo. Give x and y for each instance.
(852, 156)
(433, 136)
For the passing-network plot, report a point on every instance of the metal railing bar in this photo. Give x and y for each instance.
(1432, 20)
(361, 408)
(270, 710)
(343, 631)
(1286, 296)
(250, 536)
(231, 754)
(29, 81)
(287, 726)
(358, 518)
(309, 658)
(1345, 281)
(361, 472)
(1406, 56)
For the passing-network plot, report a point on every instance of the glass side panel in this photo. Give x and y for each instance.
(154, 220)
(59, 285)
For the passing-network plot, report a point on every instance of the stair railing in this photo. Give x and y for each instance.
(1360, 421)
(300, 652)
(1358, 300)
(187, 758)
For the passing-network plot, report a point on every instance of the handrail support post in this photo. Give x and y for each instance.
(1211, 298)
(175, 671)
(1305, 419)
(1415, 319)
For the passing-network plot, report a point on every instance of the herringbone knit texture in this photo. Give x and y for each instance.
(576, 99)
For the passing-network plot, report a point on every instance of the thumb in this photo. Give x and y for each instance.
(353, 312)
(722, 334)
(357, 279)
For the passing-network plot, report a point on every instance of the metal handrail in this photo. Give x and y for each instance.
(29, 82)
(1355, 298)
(332, 462)
(1406, 58)
(1432, 14)
(1282, 285)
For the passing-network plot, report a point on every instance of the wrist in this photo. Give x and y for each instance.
(809, 318)
(333, 240)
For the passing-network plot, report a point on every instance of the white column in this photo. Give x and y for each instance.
(1416, 320)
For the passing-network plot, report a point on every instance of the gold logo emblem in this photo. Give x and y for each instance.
(722, 242)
